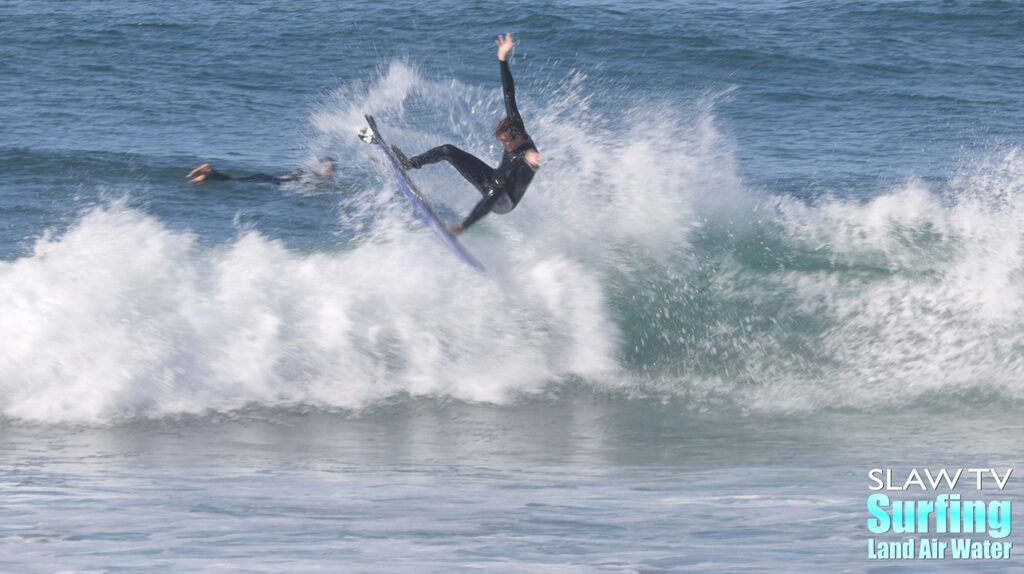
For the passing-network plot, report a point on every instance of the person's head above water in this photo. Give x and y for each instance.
(509, 134)
(326, 169)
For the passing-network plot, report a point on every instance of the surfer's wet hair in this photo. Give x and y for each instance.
(507, 126)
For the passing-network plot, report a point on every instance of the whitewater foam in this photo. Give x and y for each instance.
(121, 317)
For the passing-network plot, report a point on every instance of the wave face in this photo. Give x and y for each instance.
(640, 261)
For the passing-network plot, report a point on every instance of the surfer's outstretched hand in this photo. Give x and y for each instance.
(505, 44)
(454, 228)
(532, 158)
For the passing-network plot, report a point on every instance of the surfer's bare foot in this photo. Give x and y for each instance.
(454, 228)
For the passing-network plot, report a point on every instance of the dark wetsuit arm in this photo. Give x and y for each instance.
(509, 89)
(511, 109)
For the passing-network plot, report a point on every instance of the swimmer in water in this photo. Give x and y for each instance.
(206, 172)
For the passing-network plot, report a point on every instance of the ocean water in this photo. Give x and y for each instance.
(774, 245)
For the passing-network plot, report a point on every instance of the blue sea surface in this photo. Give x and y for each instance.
(773, 245)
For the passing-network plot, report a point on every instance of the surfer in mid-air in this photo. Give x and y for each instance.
(501, 187)
(324, 172)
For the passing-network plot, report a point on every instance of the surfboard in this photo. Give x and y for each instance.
(372, 136)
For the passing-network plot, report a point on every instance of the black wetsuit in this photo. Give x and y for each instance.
(501, 187)
(293, 175)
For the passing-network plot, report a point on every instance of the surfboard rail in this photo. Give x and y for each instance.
(413, 193)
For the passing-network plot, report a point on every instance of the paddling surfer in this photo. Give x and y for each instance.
(325, 171)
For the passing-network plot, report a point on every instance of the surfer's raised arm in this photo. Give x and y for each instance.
(508, 87)
(502, 187)
(505, 44)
